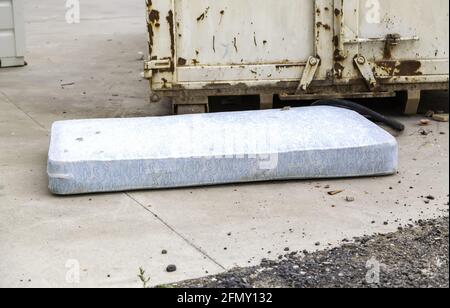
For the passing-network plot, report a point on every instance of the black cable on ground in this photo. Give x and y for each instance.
(374, 116)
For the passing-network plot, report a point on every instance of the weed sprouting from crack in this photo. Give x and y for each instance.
(145, 280)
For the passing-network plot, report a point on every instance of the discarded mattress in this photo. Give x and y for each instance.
(106, 155)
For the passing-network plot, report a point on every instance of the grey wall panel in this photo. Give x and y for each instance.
(12, 33)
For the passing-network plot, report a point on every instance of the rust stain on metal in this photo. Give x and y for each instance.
(283, 66)
(336, 41)
(409, 68)
(325, 26)
(164, 81)
(170, 21)
(152, 22)
(399, 68)
(339, 70)
(338, 56)
(153, 16)
(221, 16)
(181, 61)
(203, 15)
(391, 41)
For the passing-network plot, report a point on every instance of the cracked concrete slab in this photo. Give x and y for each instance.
(240, 225)
(110, 236)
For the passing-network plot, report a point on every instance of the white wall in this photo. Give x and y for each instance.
(12, 33)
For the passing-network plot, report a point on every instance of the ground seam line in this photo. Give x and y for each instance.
(8, 100)
(176, 232)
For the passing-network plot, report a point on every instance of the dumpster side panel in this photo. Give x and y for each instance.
(418, 31)
(231, 41)
(234, 47)
(236, 32)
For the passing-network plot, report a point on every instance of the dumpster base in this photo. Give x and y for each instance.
(106, 155)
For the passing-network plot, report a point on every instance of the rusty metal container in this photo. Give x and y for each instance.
(296, 49)
(12, 33)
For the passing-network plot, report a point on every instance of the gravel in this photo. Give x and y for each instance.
(415, 256)
(171, 268)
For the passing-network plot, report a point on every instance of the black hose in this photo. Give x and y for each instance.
(374, 116)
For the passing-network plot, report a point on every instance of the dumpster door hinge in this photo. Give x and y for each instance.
(153, 65)
(366, 71)
(308, 74)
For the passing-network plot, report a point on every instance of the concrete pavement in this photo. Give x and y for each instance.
(91, 70)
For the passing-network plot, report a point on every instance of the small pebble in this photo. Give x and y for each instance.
(171, 268)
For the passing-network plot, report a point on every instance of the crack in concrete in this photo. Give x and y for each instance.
(176, 232)
(8, 100)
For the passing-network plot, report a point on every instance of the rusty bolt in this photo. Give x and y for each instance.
(313, 61)
(361, 60)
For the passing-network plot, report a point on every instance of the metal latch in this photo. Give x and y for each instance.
(308, 74)
(366, 71)
(150, 66)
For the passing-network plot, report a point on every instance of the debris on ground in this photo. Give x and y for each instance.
(335, 192)
(424, 122)
(140, 56)
(349, 199)
(440, 117)
(425, 132)
(415, 256)
(67, 84)
(430, 113)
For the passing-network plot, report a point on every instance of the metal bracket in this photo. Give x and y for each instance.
(366, 71)
(308, 74)
(150, 66)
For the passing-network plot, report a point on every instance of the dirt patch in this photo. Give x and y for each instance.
(415, 256)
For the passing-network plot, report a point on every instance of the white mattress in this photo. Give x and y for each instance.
(105, 155)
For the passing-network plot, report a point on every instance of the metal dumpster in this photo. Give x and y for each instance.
(296, 49)
(12, 33)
